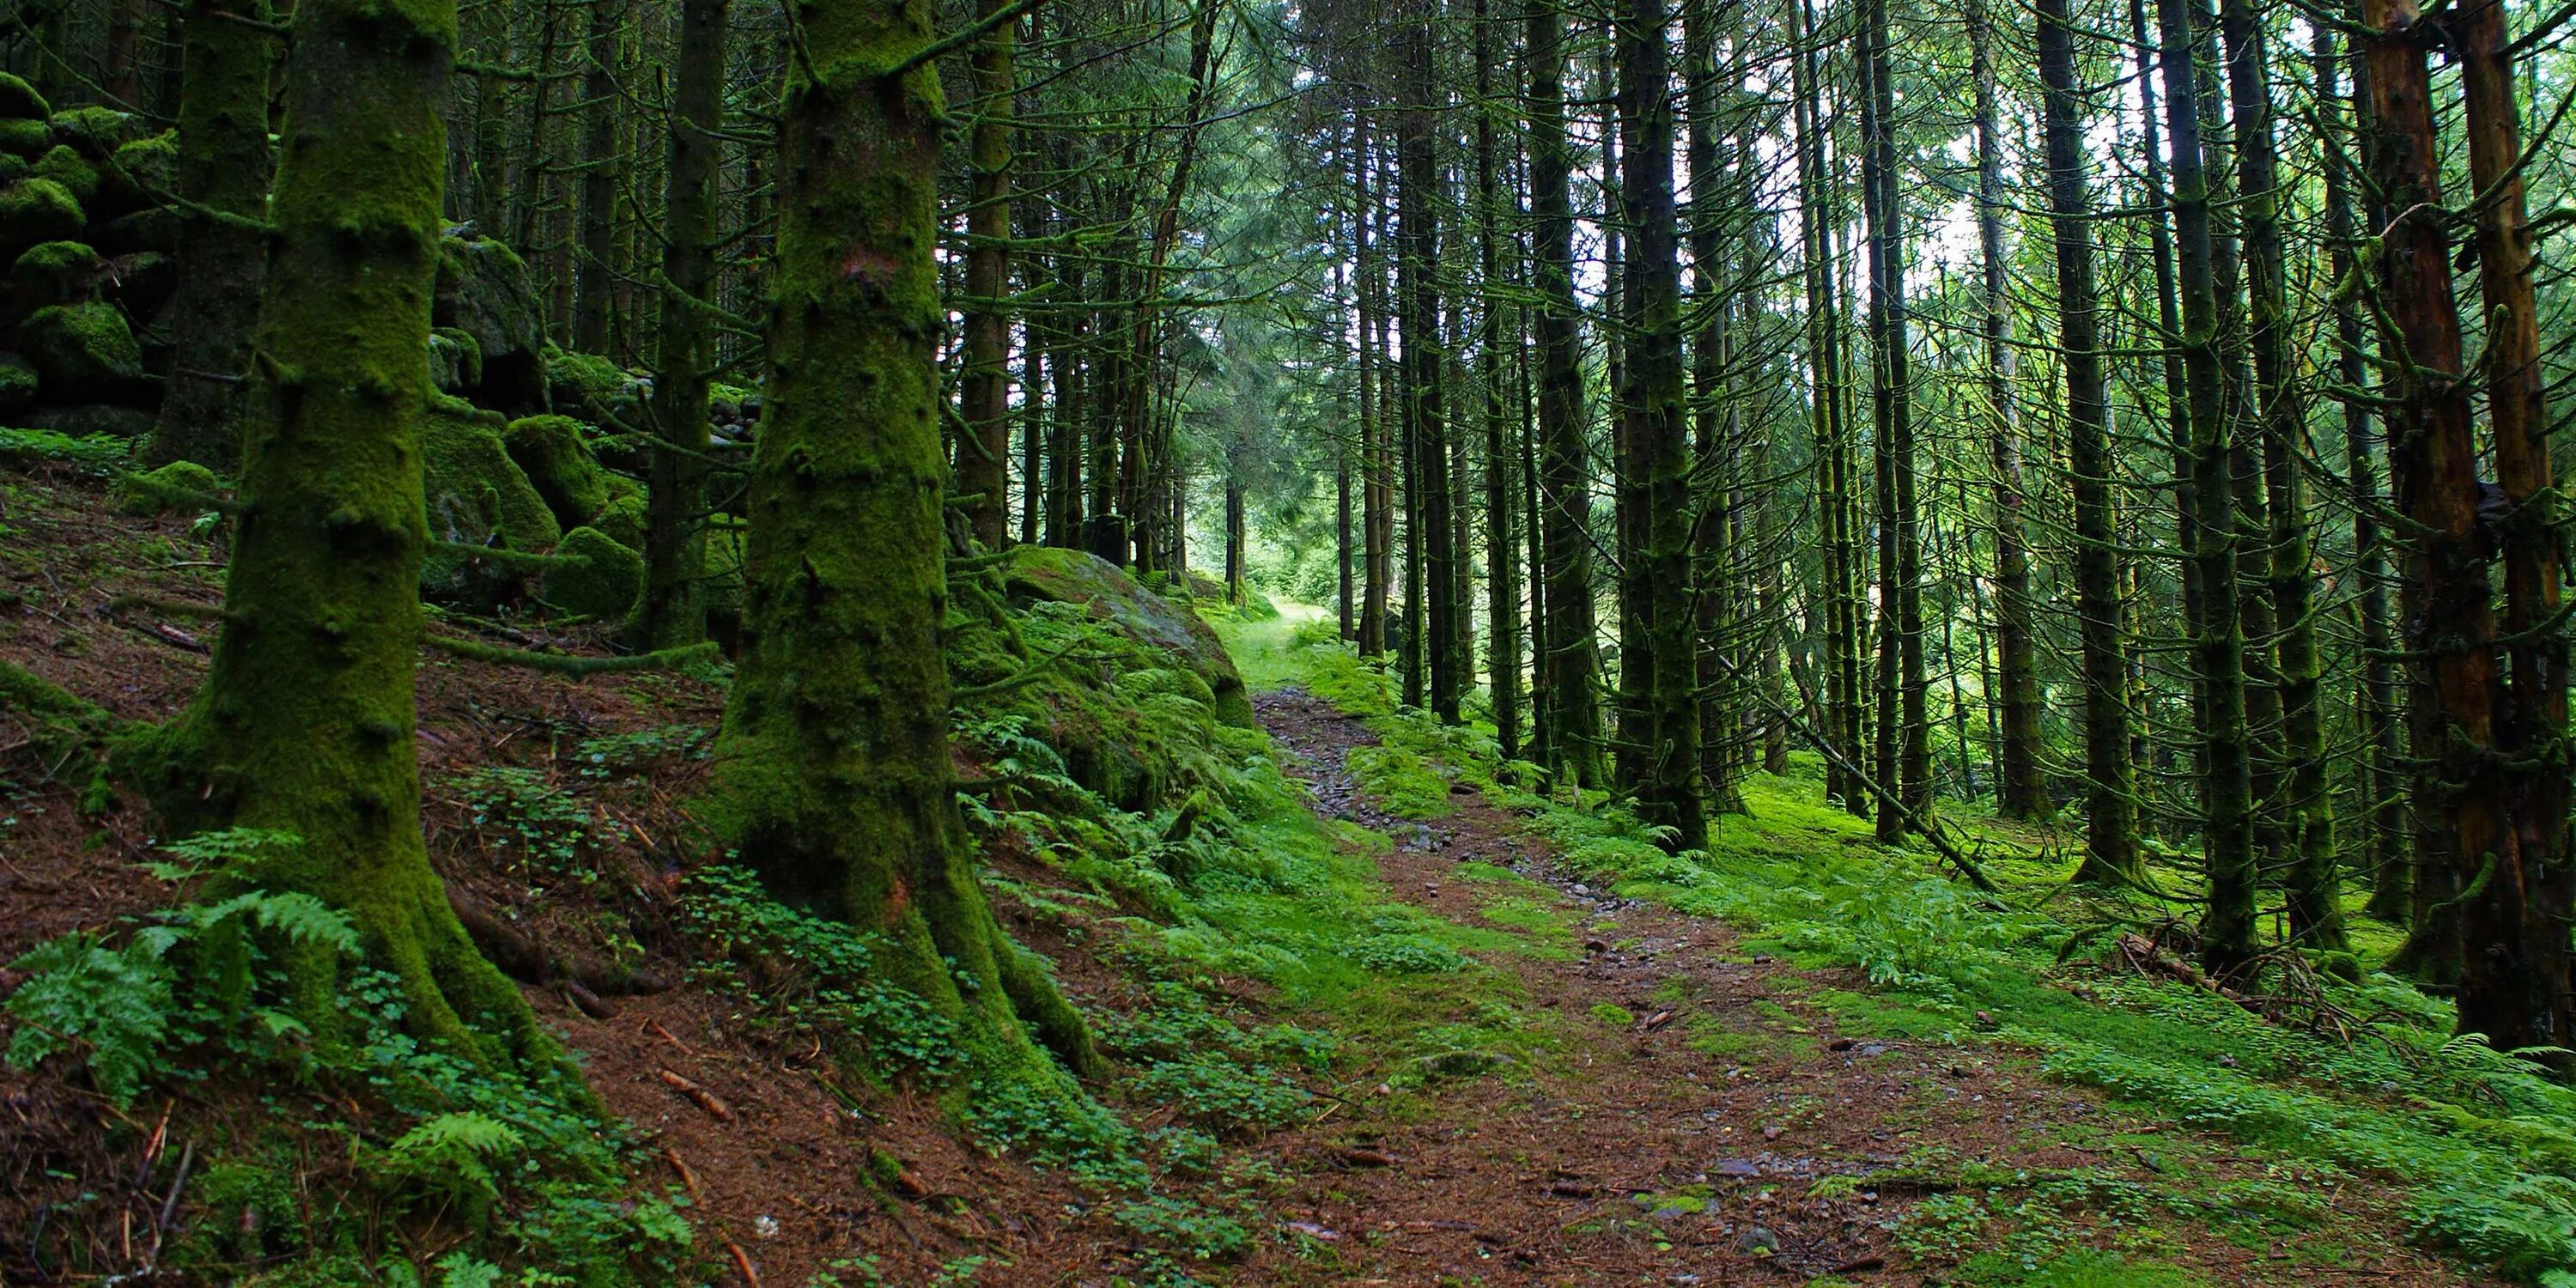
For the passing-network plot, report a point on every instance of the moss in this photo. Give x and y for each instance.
(159, 490)
(68, 168)
(136, 173)
(25, 140)
(144, 230)
(37, 210)
(455, 360)
(552, 453)
(473, 492)
(20, 101)
(54, 272)
(1042, 573)
(82, 350)
(603, 582)
(12, 167)
(590, 386)
(623, 520)
(95, 132)
(17, 383)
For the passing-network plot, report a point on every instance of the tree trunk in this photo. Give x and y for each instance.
(1432, 536)
(833, 777)
(596, 279)
(223, 165)
(2020, 793)
(1502, 465)
(984, 448)
(672, 608)
(1570, 659)
(1905, 728)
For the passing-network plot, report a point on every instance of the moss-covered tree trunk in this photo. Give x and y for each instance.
(1569, 655)
(1433, 625)
(671, 610)
(595, 272)
(223, 166)
(2515, 988)
(2227, 929)
(305, 722)
(1502, 464)
(1838, 639)
(983, 449)
(1905, 730)
(2110, 838)
(2019, 793)
(833, 778)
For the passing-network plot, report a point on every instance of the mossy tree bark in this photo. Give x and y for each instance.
(2227, 931)
(1905, 727)
(595, 274)
(1840, 627)
(305, 723)
(1570, 657)
(1434, 536)
(671, 611)
(833, 777)
(223, 166)
(1502, 575)
(2110, 840)
(984, 448)
(2019, 793)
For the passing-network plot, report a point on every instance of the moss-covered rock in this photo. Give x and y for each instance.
(56, 272)
(550, 451)
(602, 578)
(36, 210)
(484, 290)
(140, 284)
(145, 230)
(133, 176)
(1043, 573)
(83, 420)
(17, 384)
(475, 494)
(20, 101)
(624, 518)
(455, 361)
(95, 132)
(594, 388)
(83, 351)
(12, 168)
(73, 171)
(25, 140)
(167, 488)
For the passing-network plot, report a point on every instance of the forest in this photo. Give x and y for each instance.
(1194, 642)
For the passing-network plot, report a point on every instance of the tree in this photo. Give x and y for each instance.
(223, 176)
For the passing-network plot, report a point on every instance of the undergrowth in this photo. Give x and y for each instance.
(2479, 1143)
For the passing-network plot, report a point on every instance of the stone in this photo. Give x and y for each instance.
(55, 272)
(474, 494)
(551, 451)
(70, 169)
(165, 488)
(81, 419)
(94, 132)
(603, 580)
(36, 210)
(1041, 573)
(145, 230)
(20, 101)
(83, 352)
(484, 291)
(26, 140)
(455, 361)
(17, 384)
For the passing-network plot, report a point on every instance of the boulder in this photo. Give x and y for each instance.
(141, 283)
(484, 291)
(602, 579)
(12, 167)
(596, 389)
(26, 140)
(81, 420)
(83, 352)
(20, 101)
(455, 361)
(17, 384)
(55, 272)
(624, 519)
(1033, 574)
(94, 132)
(75, 173)
(550, 451)
(474, 493)
(34, 211)
(144, 230)
(131, 178)
(167, 488)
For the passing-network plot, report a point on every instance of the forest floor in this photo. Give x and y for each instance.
(1571, 1073)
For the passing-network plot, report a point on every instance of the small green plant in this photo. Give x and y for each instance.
(529, 821)
(619, 754)
(453, 1162)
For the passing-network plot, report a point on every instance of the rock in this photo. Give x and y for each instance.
(484, 291)
(12, 166)
(624, 518)
(1043, 573)
(602, 584)
(55, 272)
(83, 352)
(17, 384)
(474, 493)
(79, 419)
(20, 101)
(140, 283)
(594, 388)
(66, 167)
(94, 132)
(26, 140)
(455, 361)
(550, 450)
(134, 176)
(34, 211)
(144, 230)
(1757, 1241)
(164, 488)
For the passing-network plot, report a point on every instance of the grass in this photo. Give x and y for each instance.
(2481, 1149)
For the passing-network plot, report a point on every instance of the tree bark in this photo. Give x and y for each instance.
(1571, 659)
(223, 166)
(984, 449)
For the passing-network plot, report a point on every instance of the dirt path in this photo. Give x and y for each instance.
(1684, 1145)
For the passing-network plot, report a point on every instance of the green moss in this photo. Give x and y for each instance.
(34, 211)
(54, 272)
(455, 360)
(1110, 596)
(590, 386)
(473, 491)
(25, 140)
(623, 520)
(12, 166)
(134, 175)
(1612, 1015)
(96, 132)
(83, 350)
(166, 488)
(602, 584)
(20, 101)
(550, 450)
(68, 168)
(17, 383)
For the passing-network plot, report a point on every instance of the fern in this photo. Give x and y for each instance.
(452, 1159)
(115, 1002)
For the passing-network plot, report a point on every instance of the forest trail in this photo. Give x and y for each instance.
(1696, 1141)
